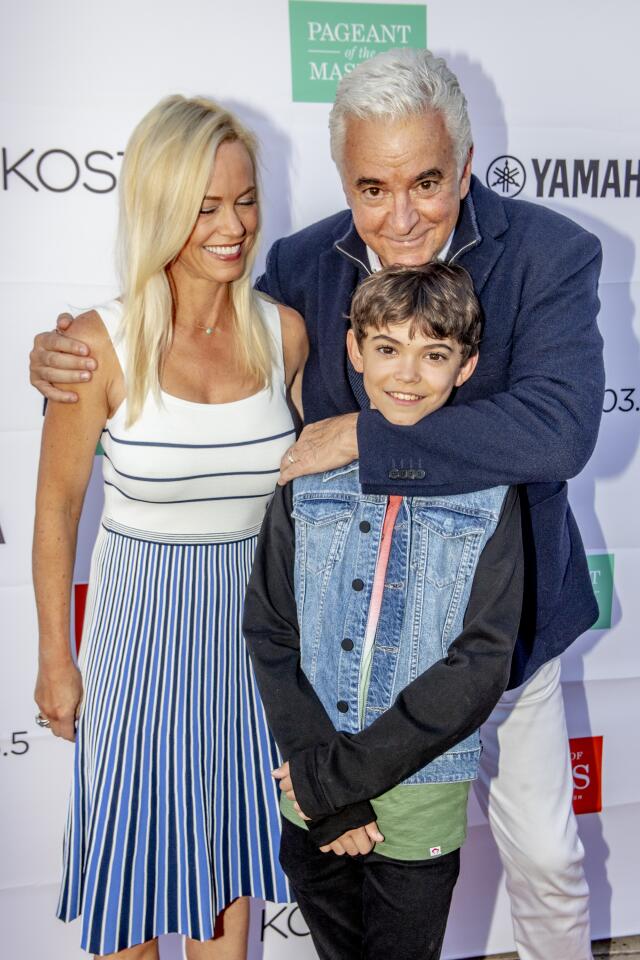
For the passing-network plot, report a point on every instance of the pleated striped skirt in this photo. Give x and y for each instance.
(173, 812)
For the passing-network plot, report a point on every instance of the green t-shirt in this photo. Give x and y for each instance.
(418, 821)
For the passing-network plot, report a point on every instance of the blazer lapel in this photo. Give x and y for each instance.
(476, 243)
(481, 259)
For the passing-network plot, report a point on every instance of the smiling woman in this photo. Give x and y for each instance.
(188, 241)
(173, 819)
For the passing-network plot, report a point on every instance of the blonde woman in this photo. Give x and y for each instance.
(173, 818)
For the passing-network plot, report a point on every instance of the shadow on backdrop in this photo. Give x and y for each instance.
(274, 159)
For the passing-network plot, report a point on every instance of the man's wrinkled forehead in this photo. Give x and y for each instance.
(377, 144)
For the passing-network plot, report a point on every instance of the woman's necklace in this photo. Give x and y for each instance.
(208, 329)
(213, 326)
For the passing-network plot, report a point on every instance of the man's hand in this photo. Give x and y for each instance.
(56, 358)
(321, 446)
(354, 842)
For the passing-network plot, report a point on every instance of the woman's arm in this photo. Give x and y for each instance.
(69, 439)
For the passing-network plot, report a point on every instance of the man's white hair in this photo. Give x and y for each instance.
(401, 83)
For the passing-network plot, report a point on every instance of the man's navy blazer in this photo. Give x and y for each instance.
(530, 413)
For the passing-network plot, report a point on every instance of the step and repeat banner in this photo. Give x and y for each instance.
(554, 114)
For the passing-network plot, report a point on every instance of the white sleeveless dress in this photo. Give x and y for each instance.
(173, 812)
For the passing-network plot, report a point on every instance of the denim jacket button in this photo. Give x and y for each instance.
(358, 584)
(365, 526)
(347, 644)
(342, 706)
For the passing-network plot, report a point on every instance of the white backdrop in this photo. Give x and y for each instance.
(550, 86)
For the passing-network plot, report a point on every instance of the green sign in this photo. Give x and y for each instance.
(330, 39)
(601, 568)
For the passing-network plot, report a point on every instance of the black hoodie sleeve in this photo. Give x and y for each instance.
(296, 716)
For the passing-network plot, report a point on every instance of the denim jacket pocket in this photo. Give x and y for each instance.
(446, 544)
(321, 526)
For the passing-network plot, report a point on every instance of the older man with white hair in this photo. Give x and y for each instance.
(401, 139)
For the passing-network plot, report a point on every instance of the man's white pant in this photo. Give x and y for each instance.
(525, 787)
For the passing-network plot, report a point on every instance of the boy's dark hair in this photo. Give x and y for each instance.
(438, 297)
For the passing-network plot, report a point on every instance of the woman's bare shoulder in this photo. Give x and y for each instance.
(89, 328)
(295, 343)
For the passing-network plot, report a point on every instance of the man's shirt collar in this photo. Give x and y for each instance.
(375, 263)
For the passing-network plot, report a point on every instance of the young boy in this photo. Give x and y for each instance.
(381, 631)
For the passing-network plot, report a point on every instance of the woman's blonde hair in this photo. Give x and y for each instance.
(165, 174)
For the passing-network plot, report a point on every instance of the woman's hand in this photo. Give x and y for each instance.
(58, 694)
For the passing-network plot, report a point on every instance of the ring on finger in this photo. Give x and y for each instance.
(42, 721)
(290, 457)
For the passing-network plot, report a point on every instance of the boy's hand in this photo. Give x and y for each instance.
(355, 842)
(286, 786)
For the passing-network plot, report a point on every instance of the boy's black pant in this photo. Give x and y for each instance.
(372, 907)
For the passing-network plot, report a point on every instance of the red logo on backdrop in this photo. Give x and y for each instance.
(79, 604)
(586, 762)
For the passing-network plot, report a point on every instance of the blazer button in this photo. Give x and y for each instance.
(420, 474)
(365, 526)
(347, 644)
(394, 474)
(357, 584)
(342, 706)
(402, 474)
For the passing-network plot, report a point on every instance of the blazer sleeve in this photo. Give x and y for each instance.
(439, 708)
(295, 713)
(543, 428)
(269, 281)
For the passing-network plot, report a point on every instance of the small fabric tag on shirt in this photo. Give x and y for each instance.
(435, 851)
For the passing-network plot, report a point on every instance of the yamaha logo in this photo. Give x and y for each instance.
(561, 177)
(506, 176)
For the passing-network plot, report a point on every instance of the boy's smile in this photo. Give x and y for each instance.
(408, 378)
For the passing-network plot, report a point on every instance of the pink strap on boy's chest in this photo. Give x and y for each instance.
(393, 507)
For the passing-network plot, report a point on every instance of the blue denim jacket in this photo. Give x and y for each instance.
(434, 552)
